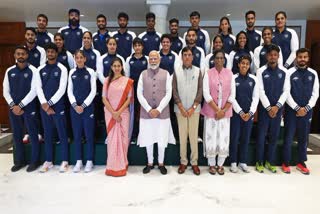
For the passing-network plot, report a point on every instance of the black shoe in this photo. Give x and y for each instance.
(147, 169)
(32, 167)
(163, 170)
(17, 167)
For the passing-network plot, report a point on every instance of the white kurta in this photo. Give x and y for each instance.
(155, 130)
(216, 132)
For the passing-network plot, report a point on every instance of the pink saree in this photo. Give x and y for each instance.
(118, 132)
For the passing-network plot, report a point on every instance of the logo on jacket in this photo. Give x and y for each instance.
(91, 115)
(13, 75)
(170, 57)
(26, 75)
(105, 62)
(78, 33)
(131, 62)
(33, 113)
(251, 84)
(236, 57)
(56, 73)
(237, 84)
(266, 76)
(145, 39)
(46, 40)
(197, 55)
(286, 36)
(230, 42)
(200, 37)
(128, 38)
(62, 113)
(144, 62)
(66, 33)
(74, 76)
(95, 39)
(310, 78)
(117, 38)
(64, 57)
(36, 55)
(295, 78)
(86, 77)
(257, 38)
(280, 75)
(179, 44)
(263, 53)
(156, 39)
(92, 56)
(44, 73)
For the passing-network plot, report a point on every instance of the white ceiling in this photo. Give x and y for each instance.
(56, 10)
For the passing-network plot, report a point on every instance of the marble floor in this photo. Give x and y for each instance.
(94, 192)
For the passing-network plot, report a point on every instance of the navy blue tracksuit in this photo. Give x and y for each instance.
(235, 58)
(93, 57)
(273, 92)
(44, 38)
(124, 42)
(228, 42)
(254, 37)
(81, 92)
(134, 67)
(100, 41)
(51, 88)
(151, 41)
(247, 98)
(72, 37)
(177, 44)
(169, 61)
(19, 89)
(304, 92)
(37, 56)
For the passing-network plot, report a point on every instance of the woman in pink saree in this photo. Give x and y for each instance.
(117, 94)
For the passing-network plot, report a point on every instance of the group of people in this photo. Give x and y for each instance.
(140, 85)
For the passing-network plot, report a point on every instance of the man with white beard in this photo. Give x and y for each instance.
(154, 93)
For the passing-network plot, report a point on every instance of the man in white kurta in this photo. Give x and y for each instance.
(154, 93)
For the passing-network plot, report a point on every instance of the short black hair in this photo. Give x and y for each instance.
(150, 15)
(174, 20)
(168, 36)
(251, 12)
(51, 46)
(31, 29)
(303, 50)
(21, 47)
(247, 57)
(123, 15)
(273, 47)
(194, 13)
(218, 51)
(280, 12)
(74, 10)
(186, 49)
(267, 28)
(191, 29)
(101, 16)
(137, 40)
(43, 16)
(60, 35)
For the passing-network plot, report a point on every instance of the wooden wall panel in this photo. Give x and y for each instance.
(12, 34)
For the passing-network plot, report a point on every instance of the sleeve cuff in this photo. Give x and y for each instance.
(297, 108)
(251, 113)
(21, 105)
(241, 112)
(268, 108)
(160, 110)
(308, 108)
(83, 105)
(50, 103)
(279, 105)
(74, 104)
(11, 104)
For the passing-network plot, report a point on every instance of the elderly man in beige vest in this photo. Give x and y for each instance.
(187, 94)
(154, 93)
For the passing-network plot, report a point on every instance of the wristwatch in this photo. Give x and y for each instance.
(194, 107)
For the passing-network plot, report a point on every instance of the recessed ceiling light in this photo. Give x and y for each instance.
(81, 15)
(228, 14)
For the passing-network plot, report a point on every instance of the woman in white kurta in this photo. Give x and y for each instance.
(218, 92)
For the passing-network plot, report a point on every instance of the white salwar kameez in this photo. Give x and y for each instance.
(216, 132)
(155, 130)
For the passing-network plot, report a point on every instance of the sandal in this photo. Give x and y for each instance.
(220, 170)
(212, 170)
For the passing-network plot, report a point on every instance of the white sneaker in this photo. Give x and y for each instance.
(64, 166)
(89, 166)
(78, 166)
(46, 166)
(25, 138)
(234, 168)
(244, 167)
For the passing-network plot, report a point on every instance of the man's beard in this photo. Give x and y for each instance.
(21, 60)
(74, 22)
(153, 67)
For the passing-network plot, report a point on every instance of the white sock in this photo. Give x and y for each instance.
(221, 161)
(212, 161)
(161, 155)
(150, 154)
